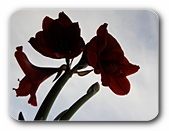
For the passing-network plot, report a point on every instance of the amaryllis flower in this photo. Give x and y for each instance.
(34, 76)
(107, 58)
(60, 38)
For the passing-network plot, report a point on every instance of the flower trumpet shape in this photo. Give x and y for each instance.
(34, 76)
(107, 58)
(60, 38)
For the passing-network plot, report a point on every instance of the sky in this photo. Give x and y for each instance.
(136, 31)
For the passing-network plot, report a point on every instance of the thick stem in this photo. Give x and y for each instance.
(72, 110)
(51, 96)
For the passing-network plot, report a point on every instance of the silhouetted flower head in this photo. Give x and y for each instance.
(107, 58)
(34, 76)
(60, 38)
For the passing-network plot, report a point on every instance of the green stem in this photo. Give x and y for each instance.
(91, 92)
(60, 115)
(51, 96)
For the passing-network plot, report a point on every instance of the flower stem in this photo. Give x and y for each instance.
(51, 96)
(91, 92)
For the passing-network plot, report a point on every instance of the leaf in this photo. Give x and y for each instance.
(20, 117)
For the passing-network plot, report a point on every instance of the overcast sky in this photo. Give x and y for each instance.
(137, 32)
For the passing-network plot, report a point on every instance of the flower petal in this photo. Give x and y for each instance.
(80, 45)
(112, 47)
(93, 53)
(102, 31)
(120, 86)
(112, 57)
(47, 21)
(94, 49)
(56, 32)
(64, 20)
(72, 36)
(39, 45)
(127, 67)
(105, 78)
(24, 87)
(23, 60)
(73, 30)
(32, 99)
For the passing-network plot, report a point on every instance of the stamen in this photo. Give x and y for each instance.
(120, 72)
(114, 67)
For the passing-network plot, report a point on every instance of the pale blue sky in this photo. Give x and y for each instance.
(137, 32)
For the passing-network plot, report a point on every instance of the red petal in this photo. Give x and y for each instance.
(64, 20)
(40, 74)
(32, 100)
(47, 21)
(78, 48)
(127, 67)
(72, 30)
(56, 32)
(19, 48)
(96, 45)
(120, 86)
(76, 26)
(23, 61)
(112, 57)
(24, 88)
(102, 31)
(105, 78)
(112, 42)
(93, 59)
(94, 49)
(112, 47)
(39, 45)
(92, 52)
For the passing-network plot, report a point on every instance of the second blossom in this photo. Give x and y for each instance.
(60, 38)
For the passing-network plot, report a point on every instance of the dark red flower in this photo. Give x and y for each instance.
(107, 58)
(34, 76)
(60, 38)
